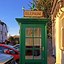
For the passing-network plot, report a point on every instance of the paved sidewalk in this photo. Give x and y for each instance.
(51, 60)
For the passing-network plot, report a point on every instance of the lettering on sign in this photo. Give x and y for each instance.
(33, 14)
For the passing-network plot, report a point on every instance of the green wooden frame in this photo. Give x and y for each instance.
(34, 22)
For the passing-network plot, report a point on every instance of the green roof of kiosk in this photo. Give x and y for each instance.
(32, 20)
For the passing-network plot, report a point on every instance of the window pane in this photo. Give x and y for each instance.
(29, 32)
(28, 57)
(37, 42)
(37, 32)
(29, 42)
(37, 54)
(37, 48)
(29, 54)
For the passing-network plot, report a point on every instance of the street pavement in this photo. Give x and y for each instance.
(51, 59)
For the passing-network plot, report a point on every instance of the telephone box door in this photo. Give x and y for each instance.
(34, 44)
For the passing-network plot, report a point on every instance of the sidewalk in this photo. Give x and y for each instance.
(51, 60)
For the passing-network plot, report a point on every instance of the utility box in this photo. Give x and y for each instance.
(33, 40)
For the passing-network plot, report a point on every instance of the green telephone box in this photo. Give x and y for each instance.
(33, 40)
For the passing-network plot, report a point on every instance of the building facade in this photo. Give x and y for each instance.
(3, 32)
(57, 16)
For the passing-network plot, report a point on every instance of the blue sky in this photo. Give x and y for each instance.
(11, 9)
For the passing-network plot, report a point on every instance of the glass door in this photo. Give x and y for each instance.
(34, 48)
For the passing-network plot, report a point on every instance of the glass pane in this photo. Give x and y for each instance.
(29, 54)
(29, 45)
(37, 32)
(37, 48)
(37, 54)
(29, 42)
(29, 32)
(37, 42)
(28, 57)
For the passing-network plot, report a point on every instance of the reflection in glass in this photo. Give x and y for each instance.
(37, 32)
(33, 43)
(29, 54)
(37, 42)
(37, 54)
(29, 42)
(28, 57)
(29, 32)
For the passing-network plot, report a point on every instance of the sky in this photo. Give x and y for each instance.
(11, 9)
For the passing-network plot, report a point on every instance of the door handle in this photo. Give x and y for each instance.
(42, 48)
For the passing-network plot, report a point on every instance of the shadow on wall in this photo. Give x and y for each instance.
(49, 45)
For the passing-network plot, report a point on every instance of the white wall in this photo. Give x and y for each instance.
(0, 33)
(3, 32)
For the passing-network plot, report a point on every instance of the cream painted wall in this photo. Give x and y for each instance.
(58, 37)
(62, 51)
(58, 51)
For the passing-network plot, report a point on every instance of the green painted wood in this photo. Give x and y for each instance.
(33, 23)
(45, 36)
(22, 47)
(32, 20)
